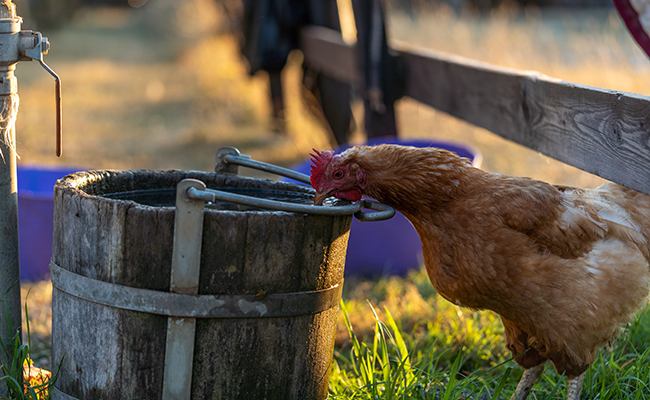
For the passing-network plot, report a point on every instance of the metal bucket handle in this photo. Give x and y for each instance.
(228, 158)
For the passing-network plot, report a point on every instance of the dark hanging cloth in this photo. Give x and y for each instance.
(271, 30)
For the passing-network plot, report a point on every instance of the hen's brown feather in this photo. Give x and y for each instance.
(564, 267)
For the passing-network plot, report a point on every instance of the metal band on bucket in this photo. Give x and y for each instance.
(194, 306)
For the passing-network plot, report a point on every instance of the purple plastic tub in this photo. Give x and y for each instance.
(390, 247)
(35, 218)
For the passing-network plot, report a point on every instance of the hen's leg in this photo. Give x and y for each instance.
(527, 381)
(574, 386)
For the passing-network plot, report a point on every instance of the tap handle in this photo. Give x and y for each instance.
(57, 95)
(42, 46)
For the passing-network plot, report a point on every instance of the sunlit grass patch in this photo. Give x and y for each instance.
(423, 316)
(22, 379)
(386, 367)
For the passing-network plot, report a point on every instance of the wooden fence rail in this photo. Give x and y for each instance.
(604, 132)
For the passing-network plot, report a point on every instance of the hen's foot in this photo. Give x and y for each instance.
(574, 386)
(527, 381)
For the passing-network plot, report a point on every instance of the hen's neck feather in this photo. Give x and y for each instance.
(414, 180)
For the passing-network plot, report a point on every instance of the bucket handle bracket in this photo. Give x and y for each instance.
(228, 158)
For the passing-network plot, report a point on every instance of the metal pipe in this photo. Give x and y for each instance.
(274, 169)
(212, 195)
(10, 311)
(10, 315)
(15, 46)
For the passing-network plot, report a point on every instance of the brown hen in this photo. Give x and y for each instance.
(565, 268)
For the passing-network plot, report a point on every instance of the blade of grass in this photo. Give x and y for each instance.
(501, 384)
(379, 345)
(452, 378)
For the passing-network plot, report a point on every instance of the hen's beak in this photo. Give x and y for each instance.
(320, 197)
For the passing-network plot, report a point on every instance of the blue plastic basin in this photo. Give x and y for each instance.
(390, 247)
(35, 218)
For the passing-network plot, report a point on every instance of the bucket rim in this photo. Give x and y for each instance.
(79, 182)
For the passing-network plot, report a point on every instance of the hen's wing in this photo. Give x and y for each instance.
(567, 221)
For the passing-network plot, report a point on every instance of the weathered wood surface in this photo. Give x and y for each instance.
(601, 131)
(110, 353)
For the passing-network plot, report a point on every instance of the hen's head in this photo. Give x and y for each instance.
(333, 175)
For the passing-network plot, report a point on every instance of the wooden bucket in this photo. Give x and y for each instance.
(112, 250)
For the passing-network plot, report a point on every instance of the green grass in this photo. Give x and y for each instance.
(398, 339)
(23, 380)
(460, 353)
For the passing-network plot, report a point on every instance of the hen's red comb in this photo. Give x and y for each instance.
(319, 160)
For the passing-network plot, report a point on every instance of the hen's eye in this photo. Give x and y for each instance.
(338, 174)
